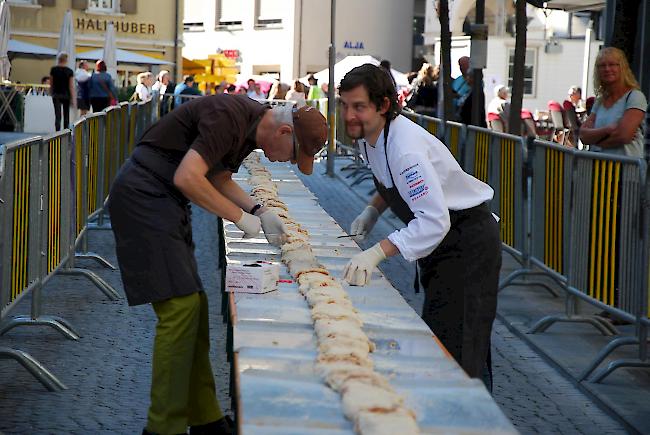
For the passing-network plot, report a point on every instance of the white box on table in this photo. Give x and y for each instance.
(259, 277)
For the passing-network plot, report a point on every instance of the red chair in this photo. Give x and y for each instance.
(557, 119)
(528, 127)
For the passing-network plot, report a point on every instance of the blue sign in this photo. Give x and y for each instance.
(354, 45)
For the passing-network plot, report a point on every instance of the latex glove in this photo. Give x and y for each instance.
(249, 224)
(363, 224)
(360, 267)
(274, 229)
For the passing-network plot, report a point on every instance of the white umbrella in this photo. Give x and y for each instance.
(66, 40)
(110, 51)
(5, 65)
(342, 67)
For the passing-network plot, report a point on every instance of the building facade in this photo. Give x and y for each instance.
(560, 48)
(290, 38)
(151, 28)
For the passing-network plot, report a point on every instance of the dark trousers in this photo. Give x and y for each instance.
(461, 278)
(61, 104)
(99, 103)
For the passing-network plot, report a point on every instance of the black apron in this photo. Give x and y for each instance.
(151, 220)
(460, 278)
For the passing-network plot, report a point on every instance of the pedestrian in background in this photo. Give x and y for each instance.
(385, 65)
(278, 91)
(424, 96)
(498, 109)
(188, 82)
(461, 86)
(255, 91)
(143, 88)
(102, 89)
(297, 93)
(315, 93)
(62, 91)
(82, 78)
(161, 83)
(160, 86)
(615, 123)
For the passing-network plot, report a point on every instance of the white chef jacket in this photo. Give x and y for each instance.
(430, 181)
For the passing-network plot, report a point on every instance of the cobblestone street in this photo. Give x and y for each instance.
(108, 370)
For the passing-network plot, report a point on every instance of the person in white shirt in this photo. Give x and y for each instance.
(449, 228)
(143, 89)
(82, 77)
(161, 83)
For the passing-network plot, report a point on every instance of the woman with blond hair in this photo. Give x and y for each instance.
(424, 98)
(615, 123)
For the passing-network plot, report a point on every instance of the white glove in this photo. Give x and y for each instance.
(363, 224)
(249, 224)
(360, 267)
(274, 229)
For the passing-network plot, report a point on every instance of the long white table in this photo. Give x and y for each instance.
(274, 346)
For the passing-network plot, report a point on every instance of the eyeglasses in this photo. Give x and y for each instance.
(605, 65)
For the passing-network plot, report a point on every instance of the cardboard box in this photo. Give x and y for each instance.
(259, 277)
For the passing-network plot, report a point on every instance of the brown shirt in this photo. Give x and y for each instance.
(221, 128)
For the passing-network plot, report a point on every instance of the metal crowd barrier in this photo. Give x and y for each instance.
(20, 258)
(577, 217)
(608, 264)
(35, 213)
(133, 118)
(546, 250)
(86, 138)
(50, 191)
(454, 138)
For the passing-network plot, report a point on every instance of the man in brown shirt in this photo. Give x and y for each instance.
(190, 156)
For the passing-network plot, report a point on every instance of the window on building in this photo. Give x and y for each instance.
(104, 5)
(193, 14)
(269, 13)
(529, 70)
(229, 14)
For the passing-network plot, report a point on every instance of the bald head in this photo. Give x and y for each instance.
(463, 63)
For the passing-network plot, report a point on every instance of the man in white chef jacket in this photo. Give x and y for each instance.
(449, 228)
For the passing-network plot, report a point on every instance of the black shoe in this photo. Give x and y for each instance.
(146, 432)
(223, 426)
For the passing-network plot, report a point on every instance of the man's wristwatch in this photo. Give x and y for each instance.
(255, 208)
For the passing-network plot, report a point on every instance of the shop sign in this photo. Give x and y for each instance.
(120, 26)
(354, 45)
(231, 54)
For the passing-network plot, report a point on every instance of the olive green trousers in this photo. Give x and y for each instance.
(182, 385)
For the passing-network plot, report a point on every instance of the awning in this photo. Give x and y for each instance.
(123, 56)
(25, 48)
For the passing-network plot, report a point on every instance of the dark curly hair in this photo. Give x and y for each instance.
(378, 84)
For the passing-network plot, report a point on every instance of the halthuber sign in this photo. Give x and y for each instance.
(123, 27)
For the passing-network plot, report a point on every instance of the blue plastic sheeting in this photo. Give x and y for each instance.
(278, 389)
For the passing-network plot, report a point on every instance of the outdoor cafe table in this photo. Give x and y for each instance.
(274, 347)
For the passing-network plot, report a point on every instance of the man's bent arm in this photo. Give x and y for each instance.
(229, 188)
(190, 179)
